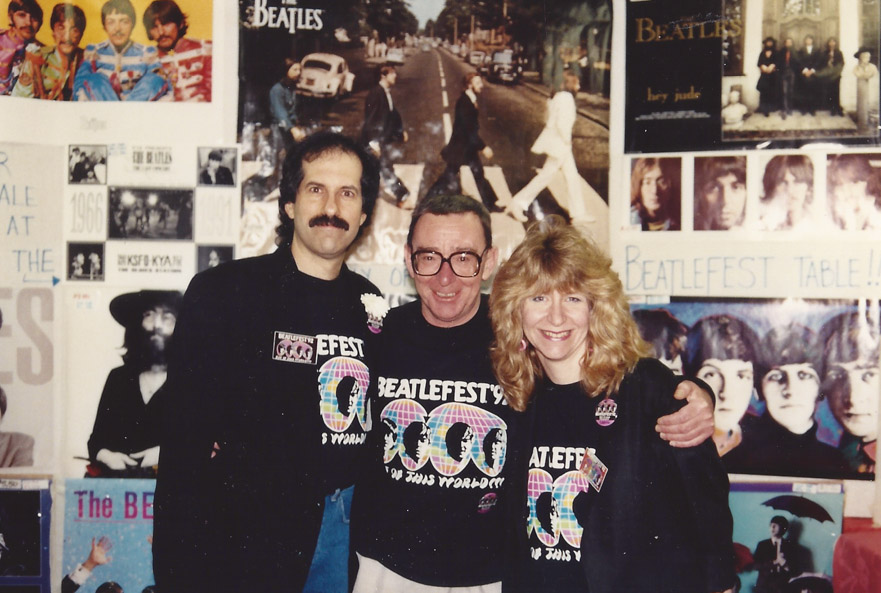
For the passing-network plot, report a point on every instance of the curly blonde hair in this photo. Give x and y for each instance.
(556, 257)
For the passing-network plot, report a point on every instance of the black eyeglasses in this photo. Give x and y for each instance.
(465, 264)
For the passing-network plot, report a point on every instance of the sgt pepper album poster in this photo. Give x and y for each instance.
(111, 523)
(25, 511)
(316, 66)
(65, 58)
(796, 381)
(804, 520)
(735, 73)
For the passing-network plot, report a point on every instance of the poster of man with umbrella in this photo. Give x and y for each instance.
(785, 534)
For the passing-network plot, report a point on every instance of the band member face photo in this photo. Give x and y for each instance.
(119, 29)
(791, 392)
(793, 191)
(494, 447)
(348, 392)
(165, 36)
(721, 350)
(653, 185)
(158, 323)
(416, 439)
(213, 164)
(459, 439)
(389, 435)
(720, 187)
(654, 194)
(788, 192)
(732, 381)
(548, 513)
(67, 36)
(476, 85)
(851, 202)
(852, 388)
(24, 24)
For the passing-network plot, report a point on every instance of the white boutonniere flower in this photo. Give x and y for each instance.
(376, 307)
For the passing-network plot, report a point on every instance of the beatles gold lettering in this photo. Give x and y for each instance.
(682, 30)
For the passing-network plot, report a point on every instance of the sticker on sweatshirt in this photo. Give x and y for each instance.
(289, 347)
(607, 412)
(487, 502)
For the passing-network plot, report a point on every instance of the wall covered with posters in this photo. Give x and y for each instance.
(729, 166)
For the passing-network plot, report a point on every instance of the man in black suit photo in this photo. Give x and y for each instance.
(215, 173)
(465, 147)
(774, 558)
(382, 128)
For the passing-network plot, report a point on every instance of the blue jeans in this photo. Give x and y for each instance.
(329, 572)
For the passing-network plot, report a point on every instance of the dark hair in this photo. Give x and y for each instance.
(766, 40)
(344, 390)
(722, 337)
(660, 328)
(544, 506)
(847, 337)
(412, 435)
(63, 11)
(3, 402)
(137, 345)
(215, 155)
(454, 437)
(452, 204)
(121, 6)
(847, 168)
(799, 165)
(311, 148)
(109, 587)
(790, 344)
(492, 437)
(780, 521)
(707, 171)
(29, 6)
(385, 69)
(165, 11)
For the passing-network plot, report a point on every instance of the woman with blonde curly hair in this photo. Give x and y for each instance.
(632, 513)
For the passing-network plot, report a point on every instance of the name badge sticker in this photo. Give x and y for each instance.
(289, 347)
(594, 469)
(607, 412)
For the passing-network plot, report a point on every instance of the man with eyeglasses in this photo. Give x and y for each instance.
(437, 521)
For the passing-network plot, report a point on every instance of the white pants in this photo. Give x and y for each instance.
(373, 577)
(575, 200)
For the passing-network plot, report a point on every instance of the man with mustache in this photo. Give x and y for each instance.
(186, 62)
(119, 69)
(25, 18)
(257, 469)
(48, 72)
(125, 436)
